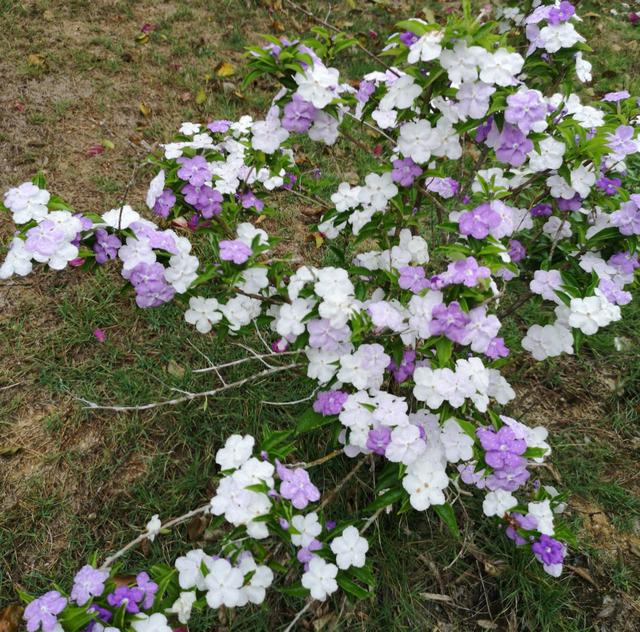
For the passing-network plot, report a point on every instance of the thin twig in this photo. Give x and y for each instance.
(271, 354)
(191, 396)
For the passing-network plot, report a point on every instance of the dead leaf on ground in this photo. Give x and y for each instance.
(224, 69)
(35, 60)
(436, 597)
(8, 451)
(145, 110)
(11, 617)
(173, 368)
(486, 625)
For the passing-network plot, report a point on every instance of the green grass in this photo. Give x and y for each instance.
(89, 481)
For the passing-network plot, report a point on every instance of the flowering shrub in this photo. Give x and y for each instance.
(491, 181)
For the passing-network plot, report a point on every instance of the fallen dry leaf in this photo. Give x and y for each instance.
(145, 110)
(35, 60)
(11, 618)
(224, 69)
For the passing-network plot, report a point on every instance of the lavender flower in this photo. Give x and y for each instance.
(88, 582)
(220, 126)
(42, 612)
(449, 320)
(548, 550)
(128, 597)
(330, 402)
(106, 246)
(148, 587)
(405, 171)
(479, 222)
(194, 170)
(406, 368)
(297, 487)
(164, 203)
(234, 250)
(298, 115)
(513, 146)
(412, 278)
(378, 439)
(496, 349)
(502, 448)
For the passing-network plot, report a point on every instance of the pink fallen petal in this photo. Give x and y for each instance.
(95, 150)
(78, 261)
(100, 335)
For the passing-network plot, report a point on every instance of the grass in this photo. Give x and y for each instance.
(82, 482)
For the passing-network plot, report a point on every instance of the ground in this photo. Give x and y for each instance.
(88, 88)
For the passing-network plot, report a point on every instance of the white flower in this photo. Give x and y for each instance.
(241, 310)
(323, 364)
(27, 202)
(378, 190)
(182, 271)
(589, 117)
(253, 280)
(182, 606)
(550, 155)
(308, 528)
(461, 63)
(346, 197)
(120, 218)
(18, 260)
(157, 622)
(501, 67)
(318, 84)
(557, 36)
(320, 579)
(350, 549)
(498, 502)
(426, 48)
(583, 68)
(364, 368)
(290, 316)
(268, 135)
(262, 578)
(153, 527)
(224, 585)
(406, 445)
(248, 232)
(236, 452)
(189, 569)
(544, 515)
(156, 187)
(557, 228)
(189, 129)
(548, 341)
(458, 445)
(591, 313)
(401, 94)
(203, 313)
(325, 128)
(582, 179)
(418, 140)
(425, 483)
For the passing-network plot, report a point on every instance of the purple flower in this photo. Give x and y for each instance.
(482, 132)
(129, 597)
(194, 170)
(305, 554)
(621, 142)
(45, 238)
(365, 90)
(570, 205)
(408, 38)
(613, 293)
(148, 587)
(512, 146)
(289, 180)
(219, 126)
(466, 272)
(280, 345)
(541, 210)
(412, 278)
(284, 523)
(378, 439)
(249, 200)
(516, 251)
(609, 186)
(164, 203)
(106, 246)
(103, 615)
(449, 320)
(502, 448)
(625, 262)
(297, 487)
(561, 14)
(151, 288)
(298, 115)
(527, 523)
(614, 97)
(88, 582)
(444, 187)
(234, 250)
(209, 202)
(330, 402)
(627, 219)
(525, 108)
(509, 479)
(496, 349)
(407, 366)
(479, 222)
(42, 612)
(405, 171)
(548, 550)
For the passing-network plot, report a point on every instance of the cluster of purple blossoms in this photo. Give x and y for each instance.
(330, 402)
(480, 221)
(503, 452)
(194, 170)
(106, 246)
(234, 250)
(405, 171)
(164, 203)
(152, 290)
(298, 115)
(296, 486)
(541, 210)
(134, 598)
(625, 262)
(449, 320)
(203, 198)
(609, 186)
(412, 278)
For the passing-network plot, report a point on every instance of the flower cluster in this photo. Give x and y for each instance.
(404, 333)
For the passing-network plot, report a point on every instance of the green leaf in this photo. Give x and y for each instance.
(352, 588)
(310, 420)
(384, 500)
(448, 516)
